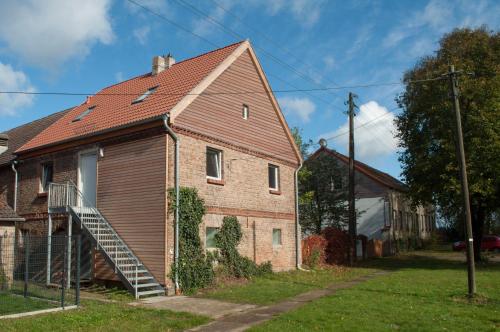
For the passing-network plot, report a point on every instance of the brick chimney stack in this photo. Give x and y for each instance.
(160, 63)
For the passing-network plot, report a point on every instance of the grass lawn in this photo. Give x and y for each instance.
(425, 292)
(13, 304)
(279, 286)
(100, 316)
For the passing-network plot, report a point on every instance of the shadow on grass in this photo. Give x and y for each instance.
(420, 260)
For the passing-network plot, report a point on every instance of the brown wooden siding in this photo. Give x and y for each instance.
(131, 195)
(220, 115)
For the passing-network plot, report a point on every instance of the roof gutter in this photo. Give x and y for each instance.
(166, 119)
(100, 132)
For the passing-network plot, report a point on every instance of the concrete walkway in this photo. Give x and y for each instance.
(206, 307)
(239, 317)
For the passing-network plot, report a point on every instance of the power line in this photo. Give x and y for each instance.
(267, 37)
(232, 32)
(364, 124)
(222, 92)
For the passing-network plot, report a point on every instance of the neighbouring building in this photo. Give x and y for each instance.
(385, 210)
(106, 166)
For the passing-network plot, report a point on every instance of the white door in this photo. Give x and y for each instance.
(88, 178)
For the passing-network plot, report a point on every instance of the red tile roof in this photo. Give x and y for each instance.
(369, 171)
(117, 110)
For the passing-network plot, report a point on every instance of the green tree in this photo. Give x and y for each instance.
(426, 128)
(322, 189)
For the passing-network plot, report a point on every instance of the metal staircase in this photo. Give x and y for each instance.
(135, 276)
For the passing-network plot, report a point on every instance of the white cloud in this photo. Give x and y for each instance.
(298, 107)
(48, 33)
(329, 62)
(155, 5)
(204, 26)
(375, 139)
(141, 34)
(11, 80)
(119, 77)
(306, 12)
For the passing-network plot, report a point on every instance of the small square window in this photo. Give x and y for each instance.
(210, 237)
(245, 112)
(214, 164)
(277, 237)
(273, 174)
(46, 177)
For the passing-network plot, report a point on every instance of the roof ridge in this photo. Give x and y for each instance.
(188, 59)
(359, 163)
(39, 119)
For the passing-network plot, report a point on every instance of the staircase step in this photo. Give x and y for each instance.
(133, 272)
(128, 265)
(153, 284)
(151, 292)
(141, 278)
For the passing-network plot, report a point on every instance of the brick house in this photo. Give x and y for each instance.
(106, 165)
(386, 213)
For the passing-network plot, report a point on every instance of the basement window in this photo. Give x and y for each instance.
(245, 112)
(84, 114)
(145, 95)
(273, 174)
(276, 237)
(214, 164)
(210, 237)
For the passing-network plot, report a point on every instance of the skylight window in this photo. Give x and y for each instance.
(84, 114)
(144, 95)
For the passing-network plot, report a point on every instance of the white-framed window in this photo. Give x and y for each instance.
(210, 237)
(277, 237)
(46, 176)
(274, 177)
(214, 164)
(245, 112)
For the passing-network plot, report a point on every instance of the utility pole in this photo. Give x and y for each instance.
(465, 186)
(352, 207)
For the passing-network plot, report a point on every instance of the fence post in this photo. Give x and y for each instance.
(26, 264)
(78, 252)
(63, 277)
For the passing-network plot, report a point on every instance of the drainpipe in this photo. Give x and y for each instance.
(176, 240)
(297, 225)
(14, 163)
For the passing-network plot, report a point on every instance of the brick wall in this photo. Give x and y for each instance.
(245, 193)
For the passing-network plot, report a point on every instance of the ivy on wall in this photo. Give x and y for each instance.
(195, 269)
(227, 240)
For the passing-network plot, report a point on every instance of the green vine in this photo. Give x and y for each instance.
(227, 240)
(195, 269)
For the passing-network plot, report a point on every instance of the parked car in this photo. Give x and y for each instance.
(489, 242)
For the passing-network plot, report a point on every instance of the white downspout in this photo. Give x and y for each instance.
(15, 184)
(297, 224)
(176, 167)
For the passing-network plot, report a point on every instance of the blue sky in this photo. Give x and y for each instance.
(83, 46)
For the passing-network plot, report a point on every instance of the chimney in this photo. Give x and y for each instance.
(160, 63)
(4, 140)
(169, 60)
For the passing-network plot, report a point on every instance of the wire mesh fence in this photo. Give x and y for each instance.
(39, 272)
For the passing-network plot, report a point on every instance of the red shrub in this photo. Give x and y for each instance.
(313, 250)
(337, 247)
